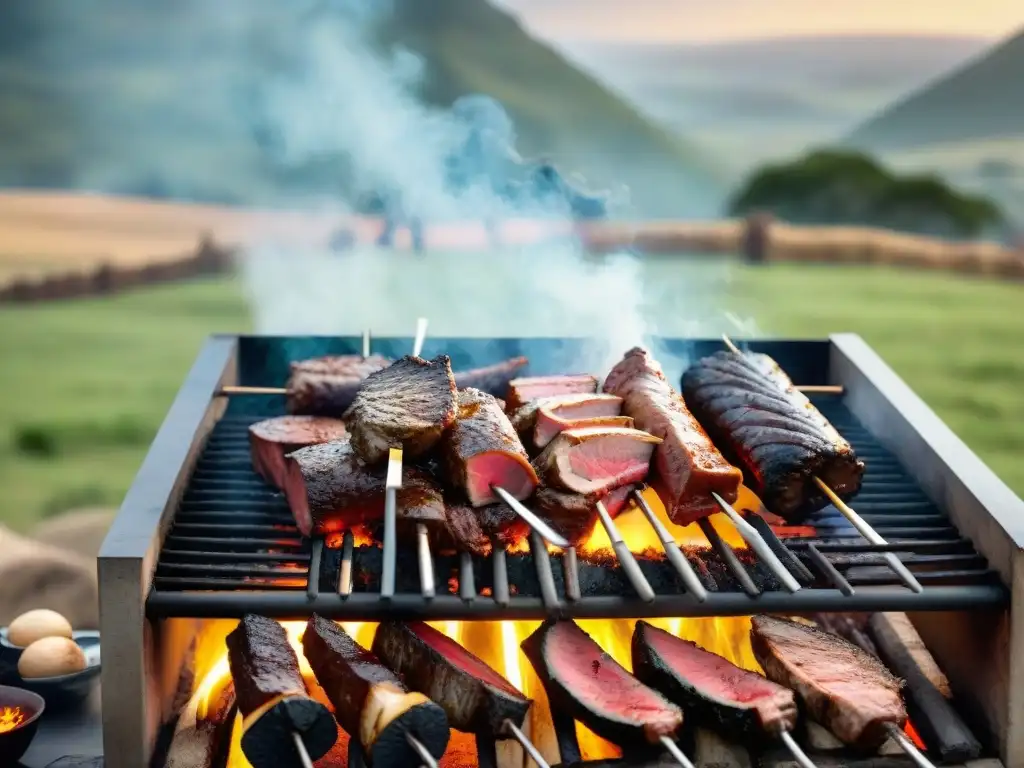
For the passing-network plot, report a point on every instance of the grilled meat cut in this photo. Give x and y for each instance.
(552, 418)
(407, 405)
(584, 681)
(713, 691)
(844, 688)
(574, 515)
(463, 531)
(492, 379)
(272, 696)
(483, 450)
(596, 459)
(272, 439)
(571, 406)
(501, 523)
(687, 465)
(524, 390)
(475, 698)
(781, 441)
(326, 386)
(371, 703)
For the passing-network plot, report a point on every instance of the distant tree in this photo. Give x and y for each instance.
(841, 187)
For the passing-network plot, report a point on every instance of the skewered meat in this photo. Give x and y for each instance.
(596, 459)
(583, 680)
(463, 531)
(844, 688)
(475, 698)
(524, 418)
(502, 523)
(483, 450)
(492, 379)
(687, 465)
(524, 390)
(751, 408)
(371, 703)
(552, 418)
(407, 405)
(713, 691)
(272, 696)
(574, 515)
(272, 439)
(326, 386)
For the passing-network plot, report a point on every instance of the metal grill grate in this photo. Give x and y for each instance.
(233, 548)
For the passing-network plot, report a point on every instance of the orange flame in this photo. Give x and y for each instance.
(11, 718)
(913, 735)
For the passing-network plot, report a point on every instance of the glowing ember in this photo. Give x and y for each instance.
(361, 537)
(913, 736)
(11, 718)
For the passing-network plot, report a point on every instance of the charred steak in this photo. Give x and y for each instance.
(272, 439)
(713, 691)
(463, 530)
(751, 408)
(596, 459)
(687, 465)
(482, 450)
(475, 698)
(326, 386)
(844, 688)
(407, 405)
(524, 390)
(583, 680)
(574, 515)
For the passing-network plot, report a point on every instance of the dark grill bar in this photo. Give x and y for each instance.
(233, 548)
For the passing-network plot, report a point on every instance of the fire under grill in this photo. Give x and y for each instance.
(233, 548)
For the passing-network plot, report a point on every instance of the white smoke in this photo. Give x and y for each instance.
(343, 97)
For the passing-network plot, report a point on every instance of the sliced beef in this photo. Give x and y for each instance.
(553, 417)
(326, 386)
(574, 515)
(578, 405)
(483, 450)
(522, 391)
(687, 465)
(475, 698)
(371, 703)
(781, 441)
(584, 681)
(407, 405)
(272, 439)
(272, 696)
(713, 691)
(596, 459)
(844, 688)
(492, 379)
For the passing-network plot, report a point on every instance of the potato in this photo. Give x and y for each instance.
(51, 657)
(35, 625)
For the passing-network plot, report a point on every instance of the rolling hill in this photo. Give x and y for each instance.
(981, 100)
(164, 100)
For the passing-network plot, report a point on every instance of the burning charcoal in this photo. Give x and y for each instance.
(713, 691)
(844, 688)
(582, 680)
(270, 440)
(370, 702)
(272, 696)
(475, 697)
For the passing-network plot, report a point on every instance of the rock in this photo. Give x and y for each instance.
(80, 530)
(36, 575)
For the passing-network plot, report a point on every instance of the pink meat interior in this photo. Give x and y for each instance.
(460, 657)
(298, 501)
(611, 455)
(508, 470)
(709, 672)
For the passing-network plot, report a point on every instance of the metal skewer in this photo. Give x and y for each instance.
(869, 533)
(629, 564)
(908, 746)
(677, 754)
(366, 343)
(300, 747)
(391, 486)
(345, 572)
(672, 551)
(426, 561)
(526, 744)
(425, 756)
(758, 544)
(421, 335)
(535, 522)
(794, 749)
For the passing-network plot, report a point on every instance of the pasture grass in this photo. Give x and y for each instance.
(85, 384)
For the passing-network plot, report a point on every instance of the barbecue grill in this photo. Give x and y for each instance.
(200, 536)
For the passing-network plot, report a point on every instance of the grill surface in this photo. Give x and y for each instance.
(233, 548)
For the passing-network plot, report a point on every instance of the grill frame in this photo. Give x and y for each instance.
(982, 508)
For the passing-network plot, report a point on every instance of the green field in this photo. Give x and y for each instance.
(85, 384)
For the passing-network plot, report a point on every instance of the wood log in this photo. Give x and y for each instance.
(198, 738)
(945, 735)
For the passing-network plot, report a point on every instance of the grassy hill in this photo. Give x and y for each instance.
(980, 100)
(163, 100)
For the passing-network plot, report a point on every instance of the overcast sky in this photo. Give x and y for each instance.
(710, 20)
